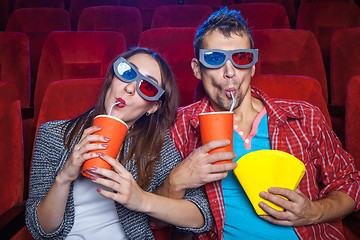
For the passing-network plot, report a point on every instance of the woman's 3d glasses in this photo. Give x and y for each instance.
(146, 87)
(216, 58)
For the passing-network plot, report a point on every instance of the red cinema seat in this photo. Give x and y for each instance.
(37, 23)
(175, 45)
(11, 147)
(180, 16)
(77, 6)
(126, 20)
(288, 4)
(290, 52)
(344, 62)
(352, 119)
(324, 18)
(214, 4)
(14, 63)
(71, 98)
(263, 15)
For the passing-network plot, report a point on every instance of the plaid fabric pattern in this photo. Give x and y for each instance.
(295, 127)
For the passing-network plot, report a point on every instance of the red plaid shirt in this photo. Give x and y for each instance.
(294, 127)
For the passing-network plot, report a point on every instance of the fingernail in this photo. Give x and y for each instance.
(93, 178)
(99, 127)
(262, 194)
(101, 154)
(93, 168)
(98, 189)
(106, 139)
(104, 145)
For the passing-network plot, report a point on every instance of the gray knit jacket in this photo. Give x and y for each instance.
(49, 157)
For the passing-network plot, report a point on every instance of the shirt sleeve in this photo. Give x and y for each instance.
(337, 169)
(45, 165)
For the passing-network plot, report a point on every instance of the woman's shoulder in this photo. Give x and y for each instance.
(53, 128)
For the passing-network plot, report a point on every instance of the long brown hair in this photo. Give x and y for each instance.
(148, 132)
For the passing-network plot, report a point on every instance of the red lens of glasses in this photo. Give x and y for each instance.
(148, 89)
(243, 58)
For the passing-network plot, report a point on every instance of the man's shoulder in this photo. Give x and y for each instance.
(187, 112)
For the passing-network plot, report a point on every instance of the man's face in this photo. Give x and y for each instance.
(219, 83)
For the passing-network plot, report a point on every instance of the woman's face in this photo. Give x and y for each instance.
(132, 106)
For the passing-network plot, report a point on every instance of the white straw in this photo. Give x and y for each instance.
(112, 107)
(233, 104)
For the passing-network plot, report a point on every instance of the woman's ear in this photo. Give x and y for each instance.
(195, 65)
(154, 107)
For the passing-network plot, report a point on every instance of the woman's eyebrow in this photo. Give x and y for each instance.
(148, 76)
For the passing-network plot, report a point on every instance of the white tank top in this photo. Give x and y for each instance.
(95, 215)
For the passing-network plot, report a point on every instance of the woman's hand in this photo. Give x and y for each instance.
(127, 191)
(80, 153)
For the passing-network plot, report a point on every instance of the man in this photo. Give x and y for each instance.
(330, 189)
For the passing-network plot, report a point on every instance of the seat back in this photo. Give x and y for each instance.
(126, 20)
(352, 119)
(14, 63)
(344, 62)
(67, 99)
(324, 18)
(290, 52)
(175, 45)
(37, 23)
(285, 87)
(263, 15)
(180, 16)
(288, 4)
(72, 55)
(11, 147)
(214, 4)
(77, 6)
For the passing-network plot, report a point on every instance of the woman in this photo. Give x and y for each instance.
(63, 204)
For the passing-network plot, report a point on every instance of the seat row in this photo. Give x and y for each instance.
(65, 99)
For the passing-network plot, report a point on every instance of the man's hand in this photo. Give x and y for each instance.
(300, 211)
(198, 169)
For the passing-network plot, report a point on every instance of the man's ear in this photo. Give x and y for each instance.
(195, 65)
(253, 70)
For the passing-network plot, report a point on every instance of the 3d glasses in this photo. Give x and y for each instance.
(240, 58)
(146, 87)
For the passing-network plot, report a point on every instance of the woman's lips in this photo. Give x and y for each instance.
(121, 102)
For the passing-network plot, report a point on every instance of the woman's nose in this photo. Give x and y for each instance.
(130, 87)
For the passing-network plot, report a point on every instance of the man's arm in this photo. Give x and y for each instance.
(197, 169)
(300, 211)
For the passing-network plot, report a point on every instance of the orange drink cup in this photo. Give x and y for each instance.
(215, 126)
(113, 128)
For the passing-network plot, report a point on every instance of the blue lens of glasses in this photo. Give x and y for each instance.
(214, 58)
(126, 71)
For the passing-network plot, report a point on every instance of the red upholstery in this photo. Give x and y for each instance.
(77, 6)
(4, 13)
(11, 147)
(263, 15)
(324, 18)
(288, 4)
(214, 4)
(69, 55)
(38, 3)
(175, 45)
(344, 61)
(36, 23)
(352, 119)
(180, 16)
(290, 52)
(126, 20)
(286, 87)
(147, 8)
(67, 99)
(14, 63)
